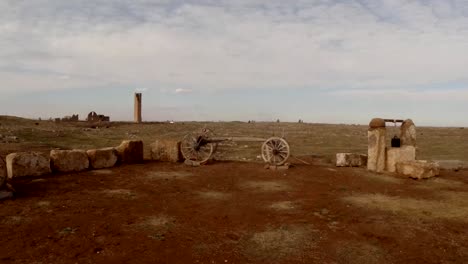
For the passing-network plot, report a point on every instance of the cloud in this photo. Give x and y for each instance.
(139, 90)
(446, 95)
(183, 91)
(222, 45)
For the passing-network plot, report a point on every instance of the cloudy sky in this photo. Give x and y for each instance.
(334, 61)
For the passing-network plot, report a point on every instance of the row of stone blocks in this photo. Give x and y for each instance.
(37, 164)
(130, 151)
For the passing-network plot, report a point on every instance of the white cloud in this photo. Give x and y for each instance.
(216, 45)
(182, 91)
(140, 90)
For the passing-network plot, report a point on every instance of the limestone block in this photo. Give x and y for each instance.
(130, 151)
(350, 160)
(69, 160)
(166, 150)
(3, 173)
(27, 164)
(395, 155)
(408, 133)
(102, 158)
(376, 149)
(418, 169)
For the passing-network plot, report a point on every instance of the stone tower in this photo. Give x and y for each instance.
(137, 111)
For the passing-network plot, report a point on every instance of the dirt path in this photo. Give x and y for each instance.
(235, 213)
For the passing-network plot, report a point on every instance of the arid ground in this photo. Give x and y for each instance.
(234, 211)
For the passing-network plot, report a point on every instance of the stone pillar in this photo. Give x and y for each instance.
(408, 133)
(137, 110)
(376, 136)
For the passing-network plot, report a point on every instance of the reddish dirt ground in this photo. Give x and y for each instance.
(234, 212)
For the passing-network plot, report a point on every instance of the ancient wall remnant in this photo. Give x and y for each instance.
(137, 108)
(93, 117)
(72, 118)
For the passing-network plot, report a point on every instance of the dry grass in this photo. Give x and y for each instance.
(266, 186)
(166, 175)
(283, 206)
(305, 139)
(102, 172)
(450, 205)
(155, 226)
(213, 195)
(120, 193)
(439, 183)
(384, 178)
(360, 253)
(285, 242)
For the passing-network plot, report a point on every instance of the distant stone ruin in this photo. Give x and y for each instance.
(73, 118)
(93, 117)
(137, 108)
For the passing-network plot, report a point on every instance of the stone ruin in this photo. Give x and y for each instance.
(400, 157)
(73, 118)
(93, 117)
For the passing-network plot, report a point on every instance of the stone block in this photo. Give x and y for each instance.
(102, 158)
(27, 164)
(69, 160)
(166, 150)
(376, 149)
(130, 151)
(351, 160)
(395, 155)
(418, 169)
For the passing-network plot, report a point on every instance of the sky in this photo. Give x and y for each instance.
(322, 61)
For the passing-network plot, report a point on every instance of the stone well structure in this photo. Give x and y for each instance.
(385, 158)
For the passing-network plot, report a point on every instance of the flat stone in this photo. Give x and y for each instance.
(395, 155)
(69, 160)
(130, 151)
(166, 150)
(27, 164)
(350, 160)
(418, 169)
(102, 158)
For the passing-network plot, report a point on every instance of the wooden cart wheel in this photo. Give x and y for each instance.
(194, 146)
(275, 151)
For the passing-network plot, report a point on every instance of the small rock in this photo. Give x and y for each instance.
(192, 163)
